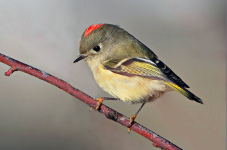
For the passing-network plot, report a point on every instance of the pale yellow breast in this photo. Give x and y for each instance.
(134, 89)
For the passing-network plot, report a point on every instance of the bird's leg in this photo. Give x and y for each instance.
(101, 99)
(134, 117)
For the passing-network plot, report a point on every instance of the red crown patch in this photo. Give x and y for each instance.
(91, 28)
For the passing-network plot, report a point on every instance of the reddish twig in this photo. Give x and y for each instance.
(157, 140)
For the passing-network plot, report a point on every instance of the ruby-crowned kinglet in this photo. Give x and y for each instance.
(126, 68)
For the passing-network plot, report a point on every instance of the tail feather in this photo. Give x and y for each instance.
(192, 96)
(185, 92)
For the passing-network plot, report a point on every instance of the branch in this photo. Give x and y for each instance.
(157, 140)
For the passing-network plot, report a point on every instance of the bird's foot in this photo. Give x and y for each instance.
(131, 122)
(100, 100)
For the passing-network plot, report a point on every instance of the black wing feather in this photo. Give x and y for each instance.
(169, 73)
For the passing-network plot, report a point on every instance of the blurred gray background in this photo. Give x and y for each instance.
(189, 36)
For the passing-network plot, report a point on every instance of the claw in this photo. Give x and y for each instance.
(131, 121)
(91, 108)
(100, 100)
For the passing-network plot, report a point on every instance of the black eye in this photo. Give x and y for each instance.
(96, 48)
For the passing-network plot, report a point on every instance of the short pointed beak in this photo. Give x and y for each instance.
(79, 58)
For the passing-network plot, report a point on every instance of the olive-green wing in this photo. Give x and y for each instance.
(148, 69)
(135, 67)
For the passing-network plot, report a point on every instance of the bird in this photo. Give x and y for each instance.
(126, 68)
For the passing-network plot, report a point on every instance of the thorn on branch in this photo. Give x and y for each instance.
(10, 71)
